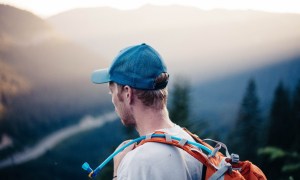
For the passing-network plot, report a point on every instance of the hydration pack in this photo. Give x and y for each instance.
(215, 164)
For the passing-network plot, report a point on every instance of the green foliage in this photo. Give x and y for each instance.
(279, 159)
(180, 109)
(296, 117)
(288, 168)
(180, 101)
(248, 120)
(279, 163)
(280, 119)
(272, 152)
(281, 156)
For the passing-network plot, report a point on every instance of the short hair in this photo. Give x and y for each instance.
(156, 99)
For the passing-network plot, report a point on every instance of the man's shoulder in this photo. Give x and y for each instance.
(156, 150)
(153, 150)
(150, 153)
(163, 156)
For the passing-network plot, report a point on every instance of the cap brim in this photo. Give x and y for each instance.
(100, 76)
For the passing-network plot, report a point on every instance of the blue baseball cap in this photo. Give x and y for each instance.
(136, 66)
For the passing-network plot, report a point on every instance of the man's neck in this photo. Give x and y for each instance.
(148, 120)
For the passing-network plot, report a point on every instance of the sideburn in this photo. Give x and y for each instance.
(120, 90)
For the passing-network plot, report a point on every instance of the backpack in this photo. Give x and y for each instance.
(215, 164)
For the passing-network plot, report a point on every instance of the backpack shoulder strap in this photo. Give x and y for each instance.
(210, 171)
(197, 139)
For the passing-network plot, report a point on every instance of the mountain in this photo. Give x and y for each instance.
(20, 27)
(209, 44)
(46, 78)
(217, 101)
(45, 68)
(217, 50)
(11, 84)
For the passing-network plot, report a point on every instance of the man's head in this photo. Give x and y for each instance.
(137, 76)
(136, 66)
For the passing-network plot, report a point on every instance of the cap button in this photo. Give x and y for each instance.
(143, 44)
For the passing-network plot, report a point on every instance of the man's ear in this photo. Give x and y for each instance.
(128, 92)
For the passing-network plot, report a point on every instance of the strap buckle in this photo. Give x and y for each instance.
(235, 158)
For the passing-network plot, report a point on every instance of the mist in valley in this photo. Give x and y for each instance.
(225, 56)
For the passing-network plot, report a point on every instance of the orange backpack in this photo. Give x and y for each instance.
(215, 165)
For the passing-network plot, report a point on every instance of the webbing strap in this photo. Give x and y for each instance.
(216, 149)
(168, 138)
(182, 142)
(221, 144)
(218, 174)
(148, 136)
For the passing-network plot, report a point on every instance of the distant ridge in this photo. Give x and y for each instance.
(45, 79)
(221, 48)
(22, 25)
(219, 100)
(208, 43)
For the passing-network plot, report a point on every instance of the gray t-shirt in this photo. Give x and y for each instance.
(155, 161)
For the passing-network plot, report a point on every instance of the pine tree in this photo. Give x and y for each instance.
(244, 137)
(280, 133)
(179, 111)
(296, 117)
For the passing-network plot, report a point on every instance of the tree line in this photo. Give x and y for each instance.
(271, 142)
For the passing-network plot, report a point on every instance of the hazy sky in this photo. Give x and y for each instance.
(47, 8)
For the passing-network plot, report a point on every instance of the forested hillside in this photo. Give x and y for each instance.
(45, 79)
(234, 77)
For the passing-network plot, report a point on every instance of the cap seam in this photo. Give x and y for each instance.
(134, 67)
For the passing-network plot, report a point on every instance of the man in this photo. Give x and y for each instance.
(137, 82)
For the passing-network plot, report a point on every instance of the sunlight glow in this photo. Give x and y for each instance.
(48, 8)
